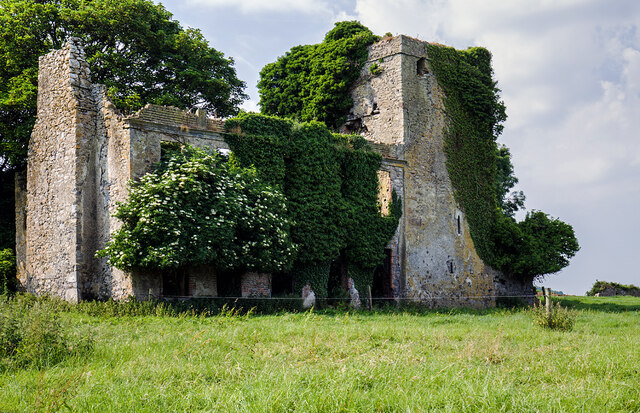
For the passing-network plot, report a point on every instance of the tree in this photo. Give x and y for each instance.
(134, 47)
(536, 246)
(312, 82)
(198, 208)
(508, 202)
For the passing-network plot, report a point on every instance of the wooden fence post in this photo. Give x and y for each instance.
(547, 299)
(369, 296)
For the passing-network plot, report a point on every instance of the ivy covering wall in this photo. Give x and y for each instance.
(482, 174)
(331, 185)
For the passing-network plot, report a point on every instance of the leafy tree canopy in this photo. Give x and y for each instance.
(312, 82)
(134, 47)
(534, 247)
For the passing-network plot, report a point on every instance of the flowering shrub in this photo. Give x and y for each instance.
(200, 208)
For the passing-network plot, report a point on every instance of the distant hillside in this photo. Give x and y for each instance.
(608, 289)
(553, 292)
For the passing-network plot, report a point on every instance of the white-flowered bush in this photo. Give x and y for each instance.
(200, 208)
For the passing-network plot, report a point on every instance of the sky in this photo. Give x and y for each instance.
(569, 71)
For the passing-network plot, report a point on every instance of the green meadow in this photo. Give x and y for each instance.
(328, 361)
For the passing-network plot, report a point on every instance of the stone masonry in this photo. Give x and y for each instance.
(400, 110)
(82, 154)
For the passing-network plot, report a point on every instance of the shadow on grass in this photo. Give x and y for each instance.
(256, 306)
(619, 304)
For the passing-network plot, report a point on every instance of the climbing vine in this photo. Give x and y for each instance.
(312, 82)
(331, 185)
(475, 114)
(482, 174)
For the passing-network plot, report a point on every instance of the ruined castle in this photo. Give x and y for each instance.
(83, 152)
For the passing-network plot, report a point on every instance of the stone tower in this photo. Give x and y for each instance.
(398, 106)
(55, 181)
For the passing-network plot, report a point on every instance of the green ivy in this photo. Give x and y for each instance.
(312, 82)
(482, 174)
(316, 274)
(475, 114)
(331, 185)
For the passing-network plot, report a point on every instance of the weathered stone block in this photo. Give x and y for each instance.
(255, 284)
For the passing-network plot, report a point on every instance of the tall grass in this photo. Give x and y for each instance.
(496, 360)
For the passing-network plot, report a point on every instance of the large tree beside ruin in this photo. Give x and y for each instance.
(133, 46)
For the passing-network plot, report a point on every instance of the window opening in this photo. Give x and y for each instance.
(421, 67)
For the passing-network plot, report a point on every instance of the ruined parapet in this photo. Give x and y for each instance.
(398, 107)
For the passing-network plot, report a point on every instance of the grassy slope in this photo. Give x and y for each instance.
(491, 361)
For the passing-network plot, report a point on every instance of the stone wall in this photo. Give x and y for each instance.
(55, 180)
(401, 111)
(82, 154)
(513, 289)
(253, 284)
(203, 282)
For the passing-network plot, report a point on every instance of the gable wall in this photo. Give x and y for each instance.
(439, 266)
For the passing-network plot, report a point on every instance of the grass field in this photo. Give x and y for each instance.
(495, 360)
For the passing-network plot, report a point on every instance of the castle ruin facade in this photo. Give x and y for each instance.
(83, 152)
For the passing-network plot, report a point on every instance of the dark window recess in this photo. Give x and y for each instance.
(382, 278)
(459, 226)
(229, 283)
(421, 67)
(450, 265)
(354, 126)
(175, 284)
(337, 283)
(282, 284)
(375, 110)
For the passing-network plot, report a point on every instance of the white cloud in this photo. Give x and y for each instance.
(259, 6)
(250, 106)
(419, 18)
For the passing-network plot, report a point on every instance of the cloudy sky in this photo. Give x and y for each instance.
(569, 71)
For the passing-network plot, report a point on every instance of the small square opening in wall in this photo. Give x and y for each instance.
(421, 67)
(450, 266)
